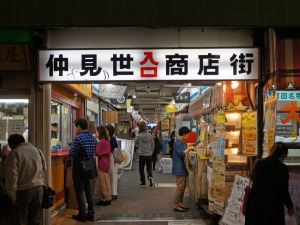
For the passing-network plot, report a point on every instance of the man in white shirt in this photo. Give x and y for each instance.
(24, 180)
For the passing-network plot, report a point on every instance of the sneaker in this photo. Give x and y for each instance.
(151, 181)
(142, 184)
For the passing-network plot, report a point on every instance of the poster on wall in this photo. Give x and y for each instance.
(127, 147)
(15, 126)
(249, 133)
(233, 213)
(3, 130)
(216, 191)
(269, 125)
(165, 124)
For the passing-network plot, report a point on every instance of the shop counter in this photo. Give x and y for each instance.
(64, 153)
(59, 163)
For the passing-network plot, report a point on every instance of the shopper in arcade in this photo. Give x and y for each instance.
(83, 147)
(145, 149)
(114, 174)
(269, 193)
(178, 168)
(103, 151)
(157, 147)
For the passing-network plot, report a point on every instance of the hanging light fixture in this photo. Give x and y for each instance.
(234, 84)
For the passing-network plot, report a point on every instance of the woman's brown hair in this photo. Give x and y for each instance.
(102, 132)
(142, 127)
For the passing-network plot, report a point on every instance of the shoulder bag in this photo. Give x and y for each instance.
(118, 155)
(89, 168)
(48, 192)
(247, 190)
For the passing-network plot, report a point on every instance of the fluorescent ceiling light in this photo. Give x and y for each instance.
(14, 100)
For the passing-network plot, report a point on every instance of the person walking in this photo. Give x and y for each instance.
(145, 148)
(114, 175)
(103, 151)
(157, 148)
(83, 148)
(171, 142)
(270, 190)
(24, 170)
(178, 168)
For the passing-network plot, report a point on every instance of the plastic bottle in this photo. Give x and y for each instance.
(59, 150)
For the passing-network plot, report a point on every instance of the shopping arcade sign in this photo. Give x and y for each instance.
(148, 65)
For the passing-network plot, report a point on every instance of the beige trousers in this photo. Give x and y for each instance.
(181, 185)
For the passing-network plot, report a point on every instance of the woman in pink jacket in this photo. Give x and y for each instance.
(103, 152)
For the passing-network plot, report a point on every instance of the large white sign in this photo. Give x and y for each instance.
(149, 64)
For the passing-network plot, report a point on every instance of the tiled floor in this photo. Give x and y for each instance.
(141, 205)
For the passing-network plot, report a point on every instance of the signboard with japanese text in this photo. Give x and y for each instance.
(15, 126)
(165, 124)
(82, 89)
(233, 213)
(181, 97)
(13, 57)
(288, 95)
(111, 90)
(87, 65)
(249, 133)
(171, 108)
(216, 190)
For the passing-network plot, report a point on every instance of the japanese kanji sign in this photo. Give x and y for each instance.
(249, 133)
(148, 64)
(288, 95)
(181, 97)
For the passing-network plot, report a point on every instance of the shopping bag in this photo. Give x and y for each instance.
(118, 155)
(89, 168)
(290, 220)
(48, 197)
(112, 164)
(245, 200)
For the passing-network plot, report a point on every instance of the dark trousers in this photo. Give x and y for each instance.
(154, 159)
(82, 186)
(142, 161)
(28, 209)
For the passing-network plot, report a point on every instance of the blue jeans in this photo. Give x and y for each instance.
(142, 161)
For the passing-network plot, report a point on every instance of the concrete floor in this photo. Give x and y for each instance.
(141, 205)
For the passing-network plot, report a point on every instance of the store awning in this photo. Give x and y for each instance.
(289, 63)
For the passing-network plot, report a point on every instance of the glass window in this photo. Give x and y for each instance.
(13, 118)
(287, 127)
(61, 123)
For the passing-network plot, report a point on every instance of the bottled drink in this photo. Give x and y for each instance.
(59, 150)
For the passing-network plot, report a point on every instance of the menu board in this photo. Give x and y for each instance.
(15, 127)
(233, 214)
(11, 126)
(249, 133)
(216, 191)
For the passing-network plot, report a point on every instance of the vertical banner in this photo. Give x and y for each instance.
(220, 133)
(269, 125)
(233, 213)
(249, 133)
(216, 191)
